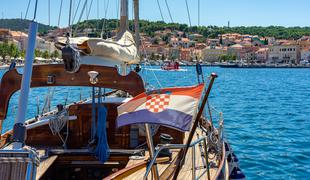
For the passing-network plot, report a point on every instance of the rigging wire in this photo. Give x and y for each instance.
(149, 64)
(29, 2)
(198, 12)
(188, 14)
(169, 11)
(60, 9)
(75, 13)
(35, 10)
(90, 6)
(105, 17)
(117, 9)
(97, 24)
(161, 13)
(49, 12)
(81, 15)
(86, 8)
(69, 23)
(132, 18)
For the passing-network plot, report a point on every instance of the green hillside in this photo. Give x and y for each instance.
(149, 28)
(22, 25)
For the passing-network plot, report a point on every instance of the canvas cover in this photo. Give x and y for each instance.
(122, 49)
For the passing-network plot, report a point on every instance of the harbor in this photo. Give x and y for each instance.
(257, 105)
(112, 90)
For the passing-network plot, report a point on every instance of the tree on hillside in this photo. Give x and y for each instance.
(4, 47)
(45, 55)
(227, 57)
(156, 41)
(23, 54)
(13, 51)
(221, 40)
(55, 54)
(37, 53)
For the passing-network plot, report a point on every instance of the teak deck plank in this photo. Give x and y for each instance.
(186, 171)
(44, 165)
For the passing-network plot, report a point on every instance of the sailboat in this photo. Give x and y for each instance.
(128, 132)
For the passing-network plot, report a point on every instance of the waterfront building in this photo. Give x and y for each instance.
(180, 34)
(185, 54)
(236, 50)
(245, 43)
(259, 42)
(213, 42)
(179, 42)
(5, 35)
(271, 40)
(249, 53)
(58, 32)
(149, 49)
(21, 38)
(230, 38)
(284, 53)
(262, 55)
(174, 42)
(174, 53)
(305, 55)
(200, 46)
(213, 53)
(196, 37)
(185, 42)
(197, 54)
(304, 43)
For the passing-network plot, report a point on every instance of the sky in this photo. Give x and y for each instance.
(212, 12)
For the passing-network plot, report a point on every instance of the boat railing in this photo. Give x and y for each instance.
(161, 147)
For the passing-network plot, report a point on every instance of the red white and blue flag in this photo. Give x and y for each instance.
(173, 107)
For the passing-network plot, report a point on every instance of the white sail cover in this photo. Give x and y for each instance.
(122, 50)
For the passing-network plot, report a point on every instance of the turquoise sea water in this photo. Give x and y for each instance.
(266, 112)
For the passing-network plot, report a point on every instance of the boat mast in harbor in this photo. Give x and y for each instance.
(19, 131)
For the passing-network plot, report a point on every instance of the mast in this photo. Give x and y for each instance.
(123, 27)
(137, 28)
(19, 129)
(124, 16)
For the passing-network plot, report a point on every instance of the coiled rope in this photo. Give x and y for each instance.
(57, 122)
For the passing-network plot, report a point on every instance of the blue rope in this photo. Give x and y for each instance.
(102, 150)
(93, 113)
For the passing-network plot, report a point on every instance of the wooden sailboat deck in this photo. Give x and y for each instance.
(186, 171)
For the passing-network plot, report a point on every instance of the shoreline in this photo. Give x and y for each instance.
(260, 66)
(233, 66)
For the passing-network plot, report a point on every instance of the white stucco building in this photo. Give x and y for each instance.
(284, 53)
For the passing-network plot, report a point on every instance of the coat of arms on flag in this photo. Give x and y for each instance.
(173, 107)
(157, 103)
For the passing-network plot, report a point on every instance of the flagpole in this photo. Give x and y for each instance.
(150, 144)
(183, 152)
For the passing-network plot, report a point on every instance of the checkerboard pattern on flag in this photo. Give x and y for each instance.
(172, 107)
(157, 103)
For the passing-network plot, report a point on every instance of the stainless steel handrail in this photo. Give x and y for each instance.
(160, 147)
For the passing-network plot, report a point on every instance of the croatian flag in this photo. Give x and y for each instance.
(173, 107)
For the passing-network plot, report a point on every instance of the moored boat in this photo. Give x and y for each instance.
(171, 66)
